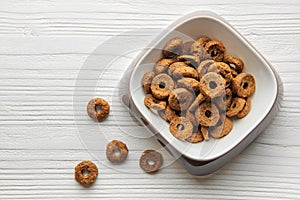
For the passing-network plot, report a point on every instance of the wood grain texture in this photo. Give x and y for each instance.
(44, 44)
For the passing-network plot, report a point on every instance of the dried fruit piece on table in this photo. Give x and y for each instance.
(98, 109)
(116, 151)
(86, 173)
(151, 161)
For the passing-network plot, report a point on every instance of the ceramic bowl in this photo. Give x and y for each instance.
(205, 157)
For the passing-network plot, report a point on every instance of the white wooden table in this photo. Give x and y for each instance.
(44, 44)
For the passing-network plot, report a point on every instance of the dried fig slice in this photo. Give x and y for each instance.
(235, 63)
(162, 65)
(195, 137)
(98, 114)
(146, 81)
(151, 161)
(181, 128)
(215, 49)
(243, 84)
(190, 60)
(189, 83)
(161, 86)
(180, 99)
(236, 106)
(212, 85)
(245, 110)
(222, 128)
(173, 48)
(208, 114)
(153, 103)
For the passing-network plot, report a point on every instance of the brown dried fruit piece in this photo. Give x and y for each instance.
(161, 86)
(208, 114)
(180, 72)
(170, 114)
(116, 151)
(151, 161)
(146, 81)
(224, 101)
(195, 137)
(203, 40)
(245, 110)
(187, 47)
(189, 83)
(98, 109)
(204, 131)
(173, 48)
(244, 85)
(236, 106)
(198, 49)
(162, 65)
(199, 99)
(215, 49)
(190, 60)
(181, 128)
(204, 66)
(235, 63)
(212, 85)
(222, 128)
(86, 173)
(174, 66)
(180, 99)
(225, 72)
(190, 115)
(153, 103)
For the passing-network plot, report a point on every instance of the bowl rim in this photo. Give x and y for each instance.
(177, 23)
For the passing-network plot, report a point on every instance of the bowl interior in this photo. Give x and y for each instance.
(262, 100)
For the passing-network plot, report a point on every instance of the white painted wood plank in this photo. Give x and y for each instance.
(43, 46)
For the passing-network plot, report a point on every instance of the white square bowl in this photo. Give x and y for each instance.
(206, 157)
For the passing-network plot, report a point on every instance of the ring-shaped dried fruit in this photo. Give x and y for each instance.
(222, 128)
(181, 128)
(243, 84)
(153, 103)
(116, 151)
(204, 66)
(146, 81)
(199, 99)
(215, 49)
(181, 72)
(235, 63)
(224, 101)
(174, 66)
(195, 137)
(173, 48)
(162, 65)
(190, 60)
(98, 109)
(190, 115)
(212, 85)
(151, 161)
(162, 114)
(180, 99)
(170, 114)
(199, 51)
(245, 110)
(189, 83)
(203, 40)
(236, 106)
(186, 48)
(208, 114)
(204, 132)
(161, 86)
(86, 173)
(225, 72)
